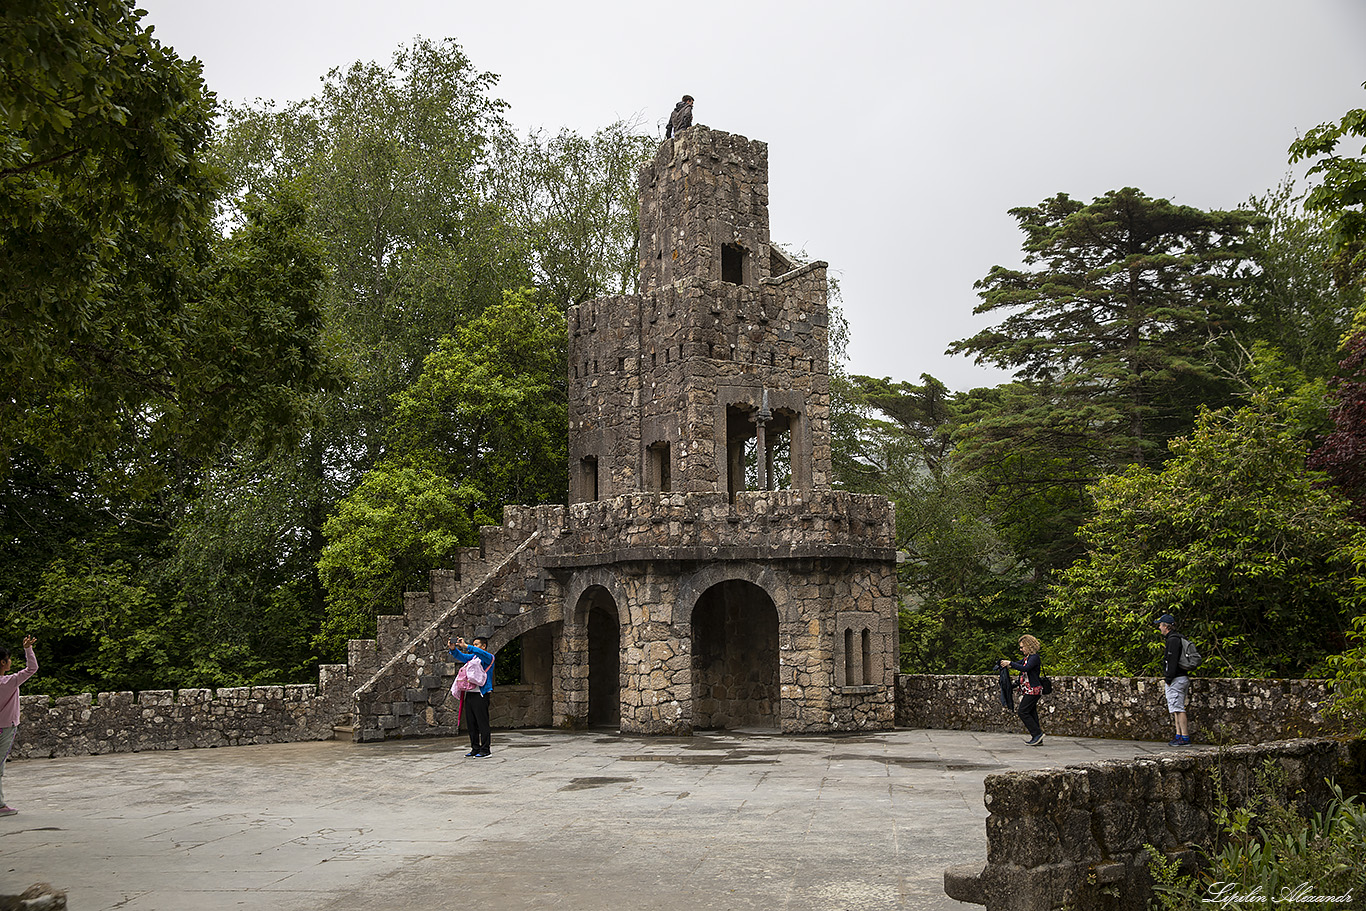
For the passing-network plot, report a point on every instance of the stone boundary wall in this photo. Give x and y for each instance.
(87, 725)
(1220, 710)
(1074, 837)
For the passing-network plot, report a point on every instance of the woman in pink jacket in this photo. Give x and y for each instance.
(9, 708)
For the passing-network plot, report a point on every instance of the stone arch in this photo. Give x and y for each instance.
(736, 660)
(541, 615)
(586, 579)
(598, 615)
(692, 587)
(596, 610)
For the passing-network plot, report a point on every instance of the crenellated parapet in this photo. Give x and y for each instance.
(769, 525)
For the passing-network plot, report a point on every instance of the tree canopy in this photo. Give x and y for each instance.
(1233, 536)
(1341, 191)
(1114, 314)
(114, 293)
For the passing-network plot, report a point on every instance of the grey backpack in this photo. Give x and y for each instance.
(1190, 656)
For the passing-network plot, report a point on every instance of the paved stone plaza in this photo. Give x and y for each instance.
(552, 820)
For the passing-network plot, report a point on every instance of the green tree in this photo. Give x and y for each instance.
(482, 427)
(394, 160)
(961, 587)
(1233, 536)
(1115, 312)
(384, 539)
(575, 202)
(1032, 453)
(1110, 330)
(397, 160)
(1341, 194)
(1292, 302)
(490, 408)
(110, 295)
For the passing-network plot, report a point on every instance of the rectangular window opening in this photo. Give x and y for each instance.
(660, 469)
(849, 675)
(733, 264)
(588, 478)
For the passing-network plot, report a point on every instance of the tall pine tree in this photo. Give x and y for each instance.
(1110, 329)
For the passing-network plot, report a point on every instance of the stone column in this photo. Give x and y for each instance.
(763, 459)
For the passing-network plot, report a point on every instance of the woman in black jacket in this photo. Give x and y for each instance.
(1031, 688)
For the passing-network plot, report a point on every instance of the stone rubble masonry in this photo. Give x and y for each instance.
(1074, 837)
(723, 320)
(655, 553)
(37, 897)
(125, 722)
(704, 603)
(1220, 710)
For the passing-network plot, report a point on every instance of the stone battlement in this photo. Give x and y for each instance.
(774, 524)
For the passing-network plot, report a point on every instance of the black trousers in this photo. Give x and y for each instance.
(1029, 714)
(477, 714)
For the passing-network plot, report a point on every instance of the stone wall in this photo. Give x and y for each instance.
(772, 524)
(38, 897)
(1233, 710)
(1074, 837)
(126, 722)
(666, 386)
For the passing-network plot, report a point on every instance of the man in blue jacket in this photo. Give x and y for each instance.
(477, 702)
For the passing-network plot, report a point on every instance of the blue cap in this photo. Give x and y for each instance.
(1167, 619)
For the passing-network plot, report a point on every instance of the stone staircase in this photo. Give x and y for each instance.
(402, 676)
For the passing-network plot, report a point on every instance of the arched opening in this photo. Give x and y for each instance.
(735, 658)
(604, 657)
(523, 687)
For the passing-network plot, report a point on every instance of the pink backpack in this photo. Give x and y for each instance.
(470, 677)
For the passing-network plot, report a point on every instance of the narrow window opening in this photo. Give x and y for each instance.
(867, 657)
(660, 469)
(849, 676)
(733, 264)
(742, 467)
(588, 478)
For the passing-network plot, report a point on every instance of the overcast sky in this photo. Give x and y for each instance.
(899, 133)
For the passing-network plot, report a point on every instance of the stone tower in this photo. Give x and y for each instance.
(716, 377)
(704, 574)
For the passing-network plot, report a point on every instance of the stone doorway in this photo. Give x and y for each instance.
(604, 658)
(735, 658)
(529, 702)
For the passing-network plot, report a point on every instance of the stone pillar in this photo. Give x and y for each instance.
(570, 676)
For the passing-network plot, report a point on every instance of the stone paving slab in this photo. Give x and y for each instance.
(570, 821)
